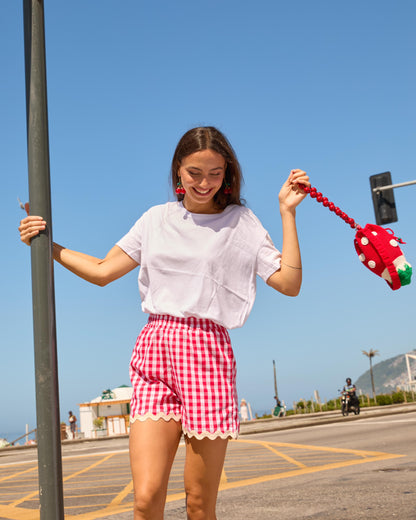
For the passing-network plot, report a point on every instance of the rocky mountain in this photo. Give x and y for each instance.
(388, 375)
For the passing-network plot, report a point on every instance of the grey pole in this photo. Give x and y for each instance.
(275, 382)
(46, 369)
(399, 185)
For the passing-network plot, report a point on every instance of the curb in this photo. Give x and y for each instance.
(321, 418)
(268, 425)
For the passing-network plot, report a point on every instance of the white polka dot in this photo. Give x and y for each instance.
(371, 264)
(394, 243)
(374, 233)
(364, 241)
(362, 257)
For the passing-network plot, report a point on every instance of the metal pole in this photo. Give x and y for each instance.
(46, 371)
(275, 383)
(409, 372)
(390, 186)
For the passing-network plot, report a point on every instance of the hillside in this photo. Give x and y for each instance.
(388, 375)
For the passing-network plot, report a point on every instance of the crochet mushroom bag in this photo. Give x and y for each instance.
(377, 247)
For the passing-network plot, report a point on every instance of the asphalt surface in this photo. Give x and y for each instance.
(320, 466)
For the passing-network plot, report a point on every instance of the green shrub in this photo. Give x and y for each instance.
(335, 404)
(410, 397)
(397, 397)
(384, 399)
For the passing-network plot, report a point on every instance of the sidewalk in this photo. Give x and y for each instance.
(273, 424)
(314, 419)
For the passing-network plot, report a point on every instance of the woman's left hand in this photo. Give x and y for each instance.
(291, 195)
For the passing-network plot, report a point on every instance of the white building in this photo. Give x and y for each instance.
(107, 414)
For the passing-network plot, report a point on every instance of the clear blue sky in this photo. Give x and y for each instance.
(324, 86)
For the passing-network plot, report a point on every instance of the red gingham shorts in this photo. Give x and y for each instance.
(184, 369)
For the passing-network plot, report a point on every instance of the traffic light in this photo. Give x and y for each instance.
(383, 200)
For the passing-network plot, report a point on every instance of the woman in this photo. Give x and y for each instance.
(198, 257)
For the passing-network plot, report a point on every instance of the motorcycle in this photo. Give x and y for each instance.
(349, 403)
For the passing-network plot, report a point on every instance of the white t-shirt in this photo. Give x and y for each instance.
(201, 265)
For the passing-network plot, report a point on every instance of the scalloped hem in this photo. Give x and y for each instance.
(188, 433)
(156, 417)
(209, 435)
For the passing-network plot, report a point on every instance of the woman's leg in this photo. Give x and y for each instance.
(153, 445)
(203, 468)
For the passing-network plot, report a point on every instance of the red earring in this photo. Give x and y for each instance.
(180, 190)
(227, 189)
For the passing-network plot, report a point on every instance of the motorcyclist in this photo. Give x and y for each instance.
(351, 390)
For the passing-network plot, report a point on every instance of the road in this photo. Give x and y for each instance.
(352, 469)
(372, 489)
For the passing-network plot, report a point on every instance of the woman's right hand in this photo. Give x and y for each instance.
(30, 227)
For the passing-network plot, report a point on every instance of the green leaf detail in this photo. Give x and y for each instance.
(405, 275)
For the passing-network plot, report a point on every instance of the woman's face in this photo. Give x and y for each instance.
(202, 174)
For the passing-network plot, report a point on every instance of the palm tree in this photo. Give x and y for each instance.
(370, 354)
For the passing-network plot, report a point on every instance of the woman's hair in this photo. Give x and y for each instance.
(209, 138)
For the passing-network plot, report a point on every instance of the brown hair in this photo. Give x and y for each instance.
(210, 138)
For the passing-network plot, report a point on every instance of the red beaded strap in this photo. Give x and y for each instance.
(330, 205)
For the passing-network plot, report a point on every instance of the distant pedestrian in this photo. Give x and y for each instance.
(279, 410)
(243, 410)
(72, 424)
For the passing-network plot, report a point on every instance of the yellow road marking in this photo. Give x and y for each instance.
(88, 468)
(286, 457)
(100, 513)
(223, 477)
(315, 448)
(117, 506)
(121, 496)
(304, 471)
(14, 475)
(12, 513)
(176, 496)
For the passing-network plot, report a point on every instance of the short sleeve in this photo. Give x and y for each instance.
(268, 259)
(131, 243)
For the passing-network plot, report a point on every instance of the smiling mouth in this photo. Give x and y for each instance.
(202, 192)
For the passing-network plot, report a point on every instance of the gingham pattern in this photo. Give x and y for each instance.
(184, 368)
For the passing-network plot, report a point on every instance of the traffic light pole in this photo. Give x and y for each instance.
(43, 295)
(383, 197)
(399, 185)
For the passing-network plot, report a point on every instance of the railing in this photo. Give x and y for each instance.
(21, 437)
